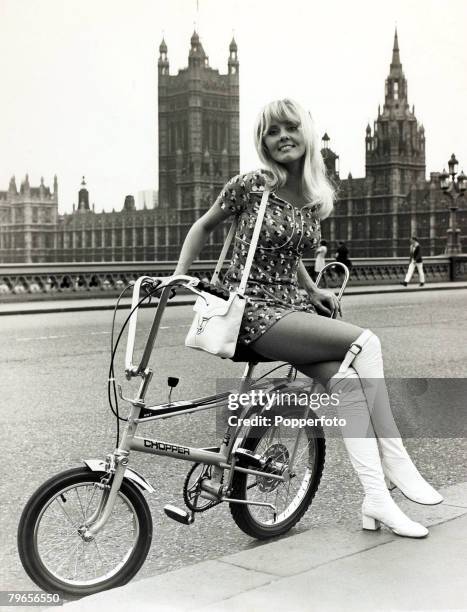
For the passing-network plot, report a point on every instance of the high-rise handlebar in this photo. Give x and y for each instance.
(162, 286)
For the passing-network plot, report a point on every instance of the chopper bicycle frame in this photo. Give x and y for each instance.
(89, 528)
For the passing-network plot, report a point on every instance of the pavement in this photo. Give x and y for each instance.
(83, 303)
(332, 569)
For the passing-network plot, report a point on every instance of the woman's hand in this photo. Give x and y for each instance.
(325, 302)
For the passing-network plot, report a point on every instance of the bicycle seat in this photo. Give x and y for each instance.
(245, 353)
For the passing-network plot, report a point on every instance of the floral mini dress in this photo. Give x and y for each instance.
(287, 232)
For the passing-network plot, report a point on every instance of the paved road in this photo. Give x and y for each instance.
(54, 412)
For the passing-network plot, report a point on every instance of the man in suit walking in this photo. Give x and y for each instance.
(415, 260)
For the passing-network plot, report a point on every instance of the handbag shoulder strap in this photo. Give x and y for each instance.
(224, 251)
(254, 242)
(251, 250)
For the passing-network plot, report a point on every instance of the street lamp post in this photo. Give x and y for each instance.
(454, 188)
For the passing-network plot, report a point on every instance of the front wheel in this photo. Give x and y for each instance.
(300, 452)
(54, 554)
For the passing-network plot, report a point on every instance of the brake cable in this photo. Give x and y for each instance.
(111, 386)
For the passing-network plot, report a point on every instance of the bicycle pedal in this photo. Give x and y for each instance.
(179, 515)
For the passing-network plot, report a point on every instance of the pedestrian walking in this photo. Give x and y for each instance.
(342, 256)
(320, 261)
(416, 260)
(279, 324)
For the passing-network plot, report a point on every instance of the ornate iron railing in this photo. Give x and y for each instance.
(39, 281)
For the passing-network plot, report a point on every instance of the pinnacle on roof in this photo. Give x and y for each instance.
(197, 50)
(233, 45)
(396, 66)
(395, 49)
(163, 46)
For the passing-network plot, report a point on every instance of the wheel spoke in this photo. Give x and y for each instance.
(65, 512)
(80, 504)
(78, 546)
(92, 497)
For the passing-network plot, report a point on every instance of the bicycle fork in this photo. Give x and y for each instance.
(116, 467)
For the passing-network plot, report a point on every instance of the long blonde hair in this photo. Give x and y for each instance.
(316, 187)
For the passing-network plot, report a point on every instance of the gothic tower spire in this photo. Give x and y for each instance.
(233, 58)
(396, 60)
(197, 57)
(12, 186)
(396, 84)
(83, 197)
(163, 62)
(395, 152)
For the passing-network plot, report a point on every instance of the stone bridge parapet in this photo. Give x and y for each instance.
(19, 282)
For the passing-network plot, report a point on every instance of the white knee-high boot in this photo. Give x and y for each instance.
(360, 441)
(366, 359)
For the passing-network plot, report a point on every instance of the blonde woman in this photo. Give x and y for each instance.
(281, 324)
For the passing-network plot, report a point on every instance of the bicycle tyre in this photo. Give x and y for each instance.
(33, 558)
(248, 517)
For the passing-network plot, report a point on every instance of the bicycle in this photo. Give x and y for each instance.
(89, 528)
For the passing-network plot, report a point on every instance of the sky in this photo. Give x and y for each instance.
(79, 79)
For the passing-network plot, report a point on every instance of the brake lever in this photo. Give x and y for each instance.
(150, 287)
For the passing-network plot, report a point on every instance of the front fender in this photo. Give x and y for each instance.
(97, 465)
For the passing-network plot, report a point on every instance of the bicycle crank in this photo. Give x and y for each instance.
(193, 490)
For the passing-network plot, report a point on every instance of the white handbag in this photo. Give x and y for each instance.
(216, 324)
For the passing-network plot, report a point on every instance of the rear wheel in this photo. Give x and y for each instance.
(55, 555)
(298, 454)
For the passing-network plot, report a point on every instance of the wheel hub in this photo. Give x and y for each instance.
(275, 453)
(85, 535)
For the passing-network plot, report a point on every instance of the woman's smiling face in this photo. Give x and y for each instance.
(284, 141)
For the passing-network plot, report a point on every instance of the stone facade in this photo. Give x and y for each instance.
(199, 150)
(376, 215)
(28, 222)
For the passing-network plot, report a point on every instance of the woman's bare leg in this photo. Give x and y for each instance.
(304, 339)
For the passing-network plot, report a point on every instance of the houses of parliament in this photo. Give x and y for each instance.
(199, 151)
